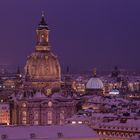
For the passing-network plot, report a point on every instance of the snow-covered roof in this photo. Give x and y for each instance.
(78, 118)
(39, 95)
(102, 115)
(57, 96)
(129, 123)
(47, 132)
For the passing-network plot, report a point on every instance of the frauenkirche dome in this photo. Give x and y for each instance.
(42, 67)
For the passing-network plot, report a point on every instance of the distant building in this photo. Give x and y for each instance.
(79, 85)
(123, 128)
(94, 85)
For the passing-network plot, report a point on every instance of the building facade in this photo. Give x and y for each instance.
(41, 110)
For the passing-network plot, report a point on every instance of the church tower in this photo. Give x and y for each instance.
(42, 69)
(42, 36)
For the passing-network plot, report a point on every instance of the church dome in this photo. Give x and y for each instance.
(42, 69)
(43, 66)
(94, 83)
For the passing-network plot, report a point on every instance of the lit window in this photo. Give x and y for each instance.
(24, 117)
(62, 117)
(73, 122)
(4, 117)
(24, 113)
(50, 104)
(36, 115)
(35, 122)
(36, 118)
(24, 105)
(12, 86)
(50, 117)
(79, 122)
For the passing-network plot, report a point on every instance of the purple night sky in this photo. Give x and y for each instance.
(84, 33)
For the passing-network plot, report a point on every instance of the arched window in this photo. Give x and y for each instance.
(50, 117)
(62, 117)
(36, 118)
(24, 117)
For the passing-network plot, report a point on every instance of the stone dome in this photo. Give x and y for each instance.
(42, 69)
(43, 66)
(94, 83)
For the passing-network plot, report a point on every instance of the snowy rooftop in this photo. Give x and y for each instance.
(78, 118)
(47, 132)
(102, 115)
(39, 95)
(129, 123)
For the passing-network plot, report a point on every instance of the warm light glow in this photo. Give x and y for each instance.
(73, 122)
(79, 122)
(24, 117)
(50, 117)
(50, 104)
(4, 114)
(24, 105)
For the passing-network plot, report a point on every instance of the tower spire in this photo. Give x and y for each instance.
(42, 24)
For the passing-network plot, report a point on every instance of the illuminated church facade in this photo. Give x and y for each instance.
(40, 101)
(39, 109)
(42, 69)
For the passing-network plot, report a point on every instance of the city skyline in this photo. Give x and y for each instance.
(69, 69)
(83, 34)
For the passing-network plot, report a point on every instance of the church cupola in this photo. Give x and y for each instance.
(43, 24)
(42, 35)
